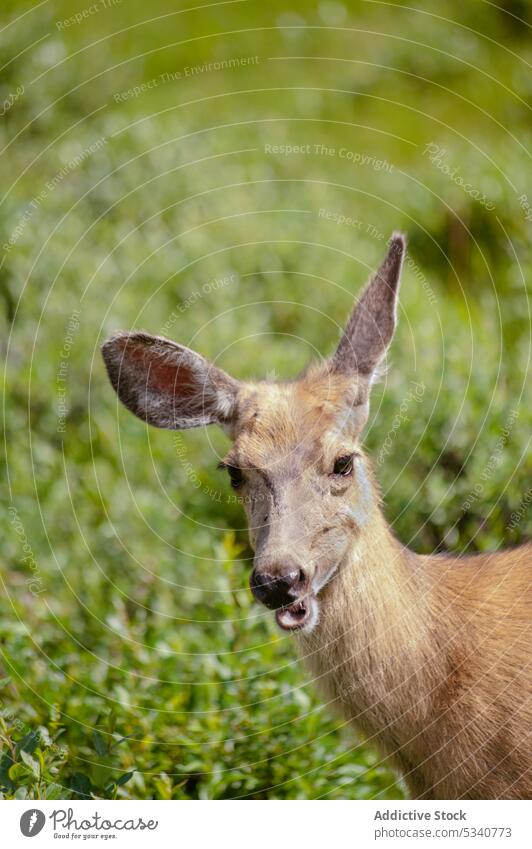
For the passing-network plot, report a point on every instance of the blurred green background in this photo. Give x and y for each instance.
(142, 188)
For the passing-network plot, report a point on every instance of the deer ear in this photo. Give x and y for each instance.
(371, 326)
(168, 385)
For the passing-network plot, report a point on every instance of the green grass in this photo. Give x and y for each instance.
(135, 664)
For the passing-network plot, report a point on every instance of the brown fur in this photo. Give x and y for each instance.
(430, 658)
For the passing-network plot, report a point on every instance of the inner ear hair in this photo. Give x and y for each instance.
(166, 384)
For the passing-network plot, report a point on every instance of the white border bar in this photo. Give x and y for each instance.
(269, 824)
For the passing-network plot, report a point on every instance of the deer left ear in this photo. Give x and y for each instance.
(371, 326)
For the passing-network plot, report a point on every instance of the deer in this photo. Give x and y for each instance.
(427, 657)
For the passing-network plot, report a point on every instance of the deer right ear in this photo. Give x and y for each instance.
(168, 385)
(371, 326)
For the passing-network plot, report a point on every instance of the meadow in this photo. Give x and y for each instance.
(228, 176)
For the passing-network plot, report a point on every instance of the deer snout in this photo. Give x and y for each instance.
(275, 588)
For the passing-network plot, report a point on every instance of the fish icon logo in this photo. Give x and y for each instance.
(32, 822)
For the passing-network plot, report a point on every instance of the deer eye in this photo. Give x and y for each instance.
(343, 465)
(235, 476)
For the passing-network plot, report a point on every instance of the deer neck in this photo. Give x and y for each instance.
(374, 644)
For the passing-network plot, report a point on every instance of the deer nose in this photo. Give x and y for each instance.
(277, 590)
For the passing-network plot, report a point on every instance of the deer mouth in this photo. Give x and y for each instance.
(300, 615)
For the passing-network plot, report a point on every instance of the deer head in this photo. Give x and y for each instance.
(296, 457)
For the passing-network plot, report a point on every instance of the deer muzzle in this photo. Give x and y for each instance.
(286, 593)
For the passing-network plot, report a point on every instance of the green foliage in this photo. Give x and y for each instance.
(135, 664)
